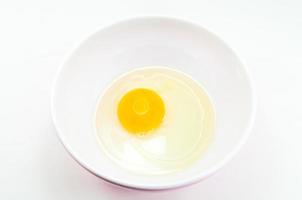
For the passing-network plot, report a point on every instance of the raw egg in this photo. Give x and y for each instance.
(154, 120)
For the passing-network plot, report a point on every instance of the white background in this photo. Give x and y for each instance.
(36, 35)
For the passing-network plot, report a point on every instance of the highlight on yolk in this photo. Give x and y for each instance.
(141, 110)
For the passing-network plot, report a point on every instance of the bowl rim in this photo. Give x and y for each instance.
(176, 184)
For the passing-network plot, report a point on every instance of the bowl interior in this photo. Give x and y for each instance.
(141, 42)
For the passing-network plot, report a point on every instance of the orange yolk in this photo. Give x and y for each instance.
(141, 110)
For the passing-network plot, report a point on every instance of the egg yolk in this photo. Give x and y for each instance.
(141, 110)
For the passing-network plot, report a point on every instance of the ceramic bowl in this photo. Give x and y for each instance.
(152, 41)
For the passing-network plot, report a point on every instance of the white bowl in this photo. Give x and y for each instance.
(151, 41)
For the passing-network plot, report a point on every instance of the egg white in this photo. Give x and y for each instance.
(182, 137)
